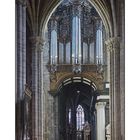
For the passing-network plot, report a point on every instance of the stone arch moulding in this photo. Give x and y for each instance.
(94, 81)
(101, 9)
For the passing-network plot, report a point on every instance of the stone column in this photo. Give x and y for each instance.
(50, 117)
(46, 87)
(24, 46)
(114, 48)
(110, 72)
(37, 87)
(20, 65)
(19, 49)
(56, 123)
(27, 113)
(117, 112)
(100, 108)
(40, 89)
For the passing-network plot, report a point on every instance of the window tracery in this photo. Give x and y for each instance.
(80, 118)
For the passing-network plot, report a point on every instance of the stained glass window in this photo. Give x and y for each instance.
(80, 117)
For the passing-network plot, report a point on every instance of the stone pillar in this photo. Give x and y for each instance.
(117, 112)
(50, 118)
(46, 87)
(114, 48)
(21, 47)
(40, 89)
(110, 72)
(56, 123)
(100, 108)
(24, 46)
(27, 113)
(21, 65)
(37, 87)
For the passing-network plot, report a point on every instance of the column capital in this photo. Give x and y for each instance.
(113, 43)
(100, 105)
(37, 43)
(22, 2)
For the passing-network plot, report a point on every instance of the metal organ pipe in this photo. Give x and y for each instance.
(76, 36)
(53, 42)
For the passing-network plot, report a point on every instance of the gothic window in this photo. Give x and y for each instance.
(80, 118)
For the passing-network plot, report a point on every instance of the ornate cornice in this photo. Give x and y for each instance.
(37, 43)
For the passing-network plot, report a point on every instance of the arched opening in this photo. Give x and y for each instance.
(77, 113)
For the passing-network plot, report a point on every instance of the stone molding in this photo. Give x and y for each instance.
(103, 97)
(100, 105)
(37, 43)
